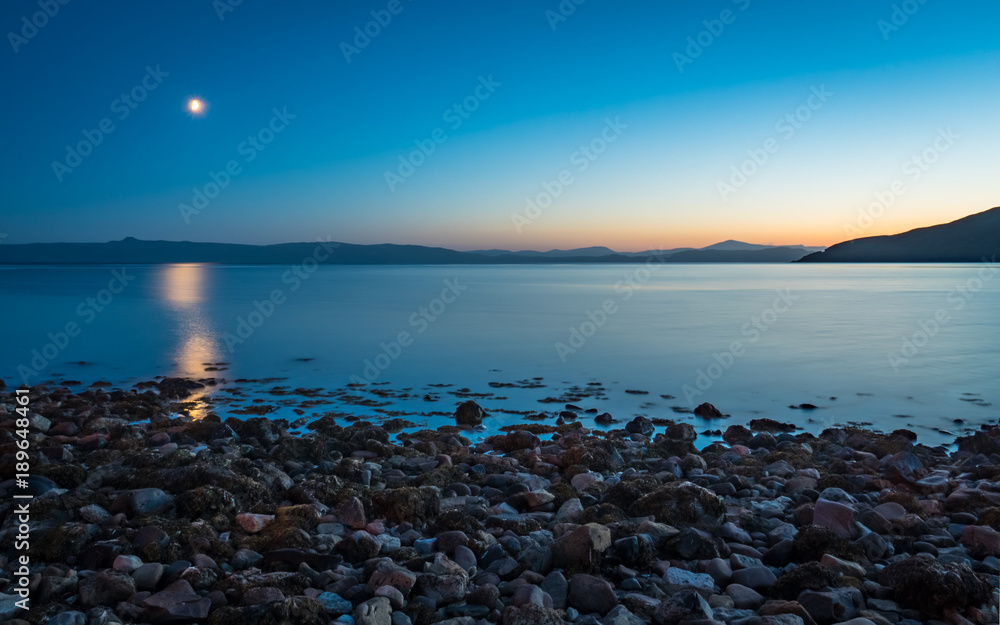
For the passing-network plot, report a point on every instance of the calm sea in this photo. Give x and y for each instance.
(907, 346)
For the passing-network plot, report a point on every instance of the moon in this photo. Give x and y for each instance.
(195, 106)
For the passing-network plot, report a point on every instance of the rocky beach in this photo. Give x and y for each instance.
(143, 513)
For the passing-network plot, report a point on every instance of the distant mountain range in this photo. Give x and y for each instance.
(134, 251)
(966, 240)
(969, 239)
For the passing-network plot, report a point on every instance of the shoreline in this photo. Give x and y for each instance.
(143, 515)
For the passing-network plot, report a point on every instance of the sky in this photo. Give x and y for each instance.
(516, 125)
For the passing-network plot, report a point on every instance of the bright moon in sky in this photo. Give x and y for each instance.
(195, 105)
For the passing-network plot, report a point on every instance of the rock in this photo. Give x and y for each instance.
(890, 510)
(71, 617)
(469, 414)
(147, 576)
(556, 586)
(396, 599)
(684, 605)
(334, 603)
(530, 615)
(591, 594)
(244, 559)
(464, 557)
(843, 567)
(176, 602)
(388, 573)
(903, 468)
(443, 581)
(142, 502)
(619, 615)
(106, 588)
(720, 570)
(253, 523)
(261, 595)
(677, 578)
(694, 544)
(835, 516)
(352, 514)
(514, 441)
(683, 505)
(583, 481)
(358, 546)
(95, 514)
(681, 432)
(570, 511)
(581, 549)
(776, 619)
(981, 541)
(832, 606)
(126, 564)
(531, 594)
(755, 577)
(377, 611)
(923, 583)
(484, 594)
(776, 607)
(707, 411)
(407, 504)
(604, 418)
(640, 425)
(636, 551)
(744, 598)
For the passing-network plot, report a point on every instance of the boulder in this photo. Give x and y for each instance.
(469, 414)
(581, 549)
(591, 594)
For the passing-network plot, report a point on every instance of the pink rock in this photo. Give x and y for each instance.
(583, 481)
(352, 514)
(835, 516)
(741, 450)
(261, 595)
(981, 541)
(253, 523)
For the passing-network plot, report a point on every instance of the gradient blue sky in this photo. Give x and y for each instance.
(655, 186)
